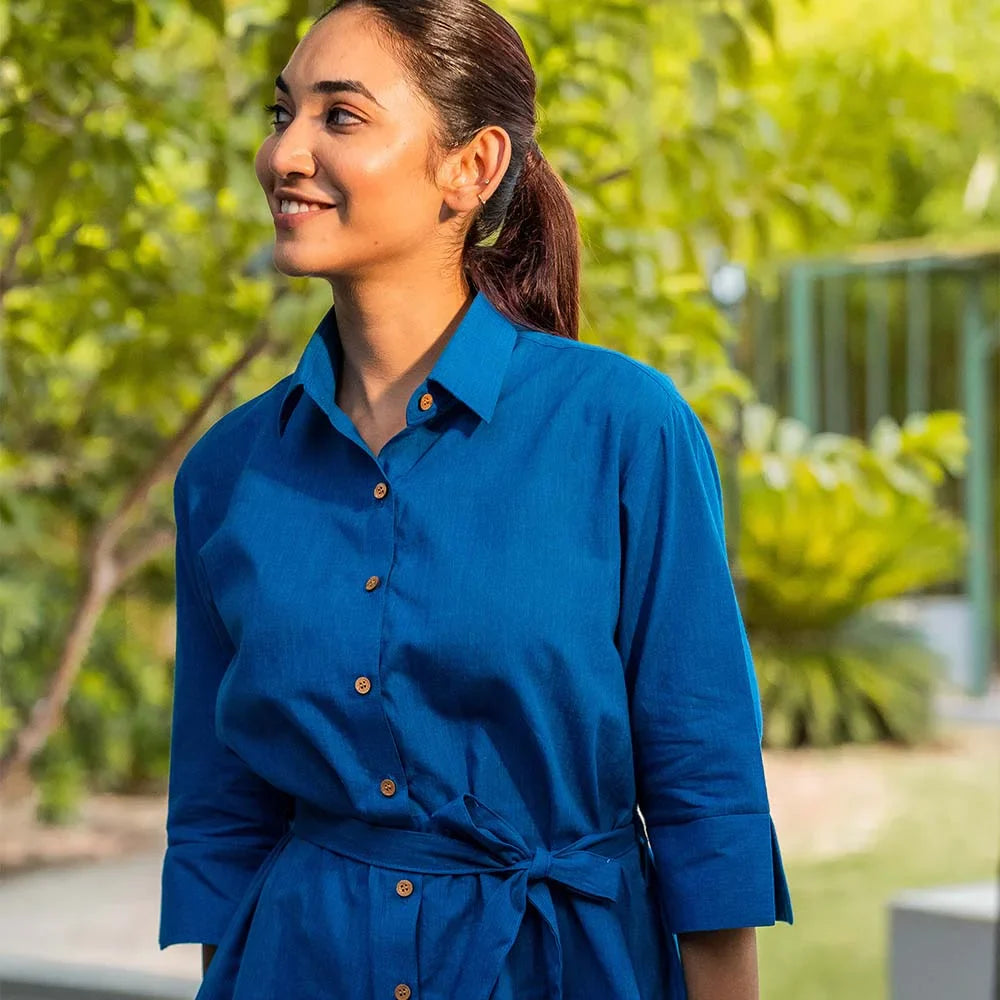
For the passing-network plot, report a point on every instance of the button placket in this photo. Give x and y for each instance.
(394, 933)
(404, 889)
(395, 930)
(380, 548)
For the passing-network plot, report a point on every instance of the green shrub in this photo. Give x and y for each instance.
(114, 735)
(830, 525)
(860, 682)
(61, 779)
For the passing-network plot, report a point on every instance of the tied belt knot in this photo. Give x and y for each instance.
(465, 836)
(541, 864)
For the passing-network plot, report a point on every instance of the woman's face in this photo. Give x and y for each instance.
(364, 156)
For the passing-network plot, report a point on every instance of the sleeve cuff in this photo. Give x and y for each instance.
(720, 872)
(200, 890)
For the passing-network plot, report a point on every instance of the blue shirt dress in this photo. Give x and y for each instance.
(474, 718)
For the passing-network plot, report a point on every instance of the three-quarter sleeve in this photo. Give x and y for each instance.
(694, 702)
(222, 818)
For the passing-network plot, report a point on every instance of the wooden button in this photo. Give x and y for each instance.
(404, 887)
(388, 786)
(362, 685)
(371, 583)
(380, 490)
(426, 401)
(402, 992)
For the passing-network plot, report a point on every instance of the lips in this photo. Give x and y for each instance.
(284, 194)
(293, 220)
(311, 210)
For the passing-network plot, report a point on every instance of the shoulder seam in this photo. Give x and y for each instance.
(665, 385)
(561, 342)
(667, 416)
(241, 412)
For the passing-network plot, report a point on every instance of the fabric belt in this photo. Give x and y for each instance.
(467, 837)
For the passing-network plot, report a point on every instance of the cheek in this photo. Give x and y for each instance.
(391, 171)
(388, 188)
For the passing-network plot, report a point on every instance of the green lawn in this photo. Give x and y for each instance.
(945, 829)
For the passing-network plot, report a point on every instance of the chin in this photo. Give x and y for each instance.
(298, 265)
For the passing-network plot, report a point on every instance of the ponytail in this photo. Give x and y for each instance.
(531, 273)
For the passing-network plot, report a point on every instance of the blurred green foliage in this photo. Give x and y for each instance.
(863, 681)
(829, 526)
(140, 301)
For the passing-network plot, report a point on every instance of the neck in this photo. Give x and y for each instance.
(391, 335)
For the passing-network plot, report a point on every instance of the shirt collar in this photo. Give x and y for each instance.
(471, 367)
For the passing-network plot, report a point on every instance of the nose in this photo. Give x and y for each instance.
(291, 154)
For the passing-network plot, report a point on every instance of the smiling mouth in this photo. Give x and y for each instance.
(291, 208)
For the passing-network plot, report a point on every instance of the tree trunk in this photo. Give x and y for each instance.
(106, 571)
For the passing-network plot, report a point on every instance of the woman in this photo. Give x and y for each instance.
(464, 706)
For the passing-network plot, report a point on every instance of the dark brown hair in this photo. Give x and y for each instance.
(471, 65)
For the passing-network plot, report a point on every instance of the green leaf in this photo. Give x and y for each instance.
(761, 13)
(704, 92)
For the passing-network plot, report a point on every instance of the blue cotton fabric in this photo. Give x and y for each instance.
(490, 730)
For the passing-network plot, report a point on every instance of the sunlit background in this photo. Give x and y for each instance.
(792, 207)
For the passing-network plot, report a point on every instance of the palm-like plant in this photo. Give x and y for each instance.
(830, 525)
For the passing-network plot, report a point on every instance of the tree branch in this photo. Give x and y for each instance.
(9, 276)
(106, 569)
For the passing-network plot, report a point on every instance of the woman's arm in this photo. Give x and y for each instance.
(695, 712)
(207, 953)
(720, 965)
(222, 818)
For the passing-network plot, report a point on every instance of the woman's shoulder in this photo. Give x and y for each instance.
(215, 459)
(640, 400)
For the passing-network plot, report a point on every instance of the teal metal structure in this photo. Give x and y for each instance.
(807, 371)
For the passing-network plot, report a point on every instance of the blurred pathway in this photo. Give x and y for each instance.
(102, 913)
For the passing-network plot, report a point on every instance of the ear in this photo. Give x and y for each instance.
(477, 168)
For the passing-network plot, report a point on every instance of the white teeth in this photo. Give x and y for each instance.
(294, 207)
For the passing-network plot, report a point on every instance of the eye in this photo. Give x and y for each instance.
(333, 111)
(275, 109)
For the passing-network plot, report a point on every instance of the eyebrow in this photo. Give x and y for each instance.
(330, 87)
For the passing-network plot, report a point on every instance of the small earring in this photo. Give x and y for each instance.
(481, 202)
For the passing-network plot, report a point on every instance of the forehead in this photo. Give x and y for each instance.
(346, 45)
